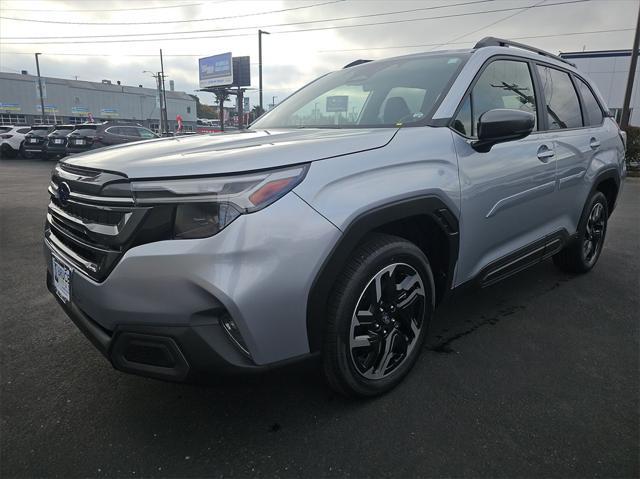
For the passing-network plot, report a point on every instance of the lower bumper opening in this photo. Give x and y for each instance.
(155, 356)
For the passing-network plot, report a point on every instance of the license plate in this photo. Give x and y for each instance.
(61, 279)
(79, 142)
(58, 142)
(33, 140)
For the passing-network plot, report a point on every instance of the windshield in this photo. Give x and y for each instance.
(385, 93)
(39, 132)
(86, 130)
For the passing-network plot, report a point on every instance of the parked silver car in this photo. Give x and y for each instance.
(339, 221)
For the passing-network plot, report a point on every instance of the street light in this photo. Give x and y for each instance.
(260, 33)
(40, 87)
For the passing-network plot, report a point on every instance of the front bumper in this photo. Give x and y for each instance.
(258, 270)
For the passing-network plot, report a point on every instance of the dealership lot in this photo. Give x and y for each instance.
(535, 376)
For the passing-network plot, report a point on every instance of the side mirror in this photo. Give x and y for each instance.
(500, 125)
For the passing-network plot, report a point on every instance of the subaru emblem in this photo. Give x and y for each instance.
(64, 193)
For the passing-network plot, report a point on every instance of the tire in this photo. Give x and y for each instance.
(7, 152)
(370, 352)
(581, 254)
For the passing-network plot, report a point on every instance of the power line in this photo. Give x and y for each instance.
(334, 27)
(354, 17)
(462, 43)
(493, 23)
(59, 22)
(327, 51)
(109, 9)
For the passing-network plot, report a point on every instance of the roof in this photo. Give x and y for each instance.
(597, 54)
(88, 85)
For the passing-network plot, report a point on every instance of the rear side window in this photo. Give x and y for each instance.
(129, 131)
(85, 131)
(23, 131)
(144, 133)
(503, 84)
(563, 107)
(591, 106)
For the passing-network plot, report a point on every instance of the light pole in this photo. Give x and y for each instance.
(273, 101)
(260, 33)
(626, 112)
(40, 87)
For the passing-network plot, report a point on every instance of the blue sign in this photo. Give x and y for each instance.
(338, 103)
(216, 70)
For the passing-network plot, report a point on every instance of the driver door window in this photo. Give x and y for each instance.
(503, 84)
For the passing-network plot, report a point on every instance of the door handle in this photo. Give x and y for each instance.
(594, 143)
(545, 153)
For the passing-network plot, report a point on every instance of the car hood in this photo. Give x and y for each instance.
(231, 152)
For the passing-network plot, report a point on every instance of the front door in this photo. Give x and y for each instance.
(507, 193)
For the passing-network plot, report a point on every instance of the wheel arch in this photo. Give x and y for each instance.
(608, 183)
(426, 221)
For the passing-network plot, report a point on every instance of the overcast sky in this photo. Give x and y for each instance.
(290, 59)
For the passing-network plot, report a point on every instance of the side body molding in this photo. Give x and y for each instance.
(369, 221)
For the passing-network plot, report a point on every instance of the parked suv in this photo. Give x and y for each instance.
(11, 138)
(56, 142)
(90, 136)
(34, 141)
(340, 220)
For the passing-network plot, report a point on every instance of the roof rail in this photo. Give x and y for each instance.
(356, 62)
(500, 42)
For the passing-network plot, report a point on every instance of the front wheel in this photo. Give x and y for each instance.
(379, 312)
(581, 254)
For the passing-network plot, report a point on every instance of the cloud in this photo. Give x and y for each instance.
(290, 59)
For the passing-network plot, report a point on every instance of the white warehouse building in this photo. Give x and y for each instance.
(609, 70)
(74, 101)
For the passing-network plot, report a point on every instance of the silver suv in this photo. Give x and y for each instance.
(339, 221)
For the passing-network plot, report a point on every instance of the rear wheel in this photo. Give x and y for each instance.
(582, 254)
(7, 152)
(378, 317)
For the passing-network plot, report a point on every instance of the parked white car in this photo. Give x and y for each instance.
(11, 138)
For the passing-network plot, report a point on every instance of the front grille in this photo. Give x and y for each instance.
(93, 230)
(89, 213)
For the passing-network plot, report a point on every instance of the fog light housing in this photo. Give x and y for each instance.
(231, 328)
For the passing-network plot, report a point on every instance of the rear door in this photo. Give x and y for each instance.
(508, 192)
(576, 120)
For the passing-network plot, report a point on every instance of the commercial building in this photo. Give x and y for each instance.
(609, 70)
(74, 101)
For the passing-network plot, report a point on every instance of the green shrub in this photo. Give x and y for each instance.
(633, 144)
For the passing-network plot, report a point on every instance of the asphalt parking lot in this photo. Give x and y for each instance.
(535, 376)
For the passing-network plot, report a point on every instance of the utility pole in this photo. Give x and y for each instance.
(626, 112)
(40, 87)
(164, 96)
(273, 102)
(159, 82)
(240, 108)
(260, 33)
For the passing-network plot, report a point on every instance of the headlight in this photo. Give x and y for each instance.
(206, 205)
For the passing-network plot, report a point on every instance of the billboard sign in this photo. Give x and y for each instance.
(241, 71)
(216, 70)
(338, 103)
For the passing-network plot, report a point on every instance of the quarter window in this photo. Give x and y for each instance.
(563, 107)
(503, 84)
(144, 133)
(591, 105)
